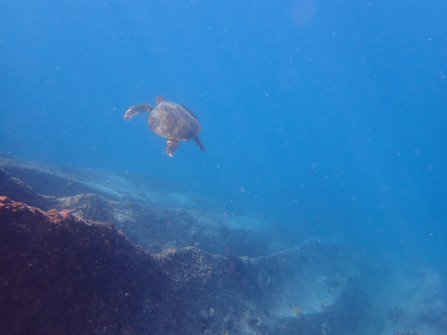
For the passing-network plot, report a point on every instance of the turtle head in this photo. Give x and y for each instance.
(171, 147)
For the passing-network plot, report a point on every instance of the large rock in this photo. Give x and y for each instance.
(63, 275)
(178, 270)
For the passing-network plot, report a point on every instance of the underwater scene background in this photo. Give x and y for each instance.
(322, 119)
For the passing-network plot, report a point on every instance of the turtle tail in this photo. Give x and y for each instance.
(135, 110)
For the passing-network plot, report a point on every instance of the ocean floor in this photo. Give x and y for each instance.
(96, 252)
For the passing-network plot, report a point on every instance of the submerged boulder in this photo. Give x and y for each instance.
(62, 274)
(80, 257)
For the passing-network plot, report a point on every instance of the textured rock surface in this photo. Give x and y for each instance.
(59, 274)
(63, 274)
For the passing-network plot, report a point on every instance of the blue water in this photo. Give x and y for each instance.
(325, 118)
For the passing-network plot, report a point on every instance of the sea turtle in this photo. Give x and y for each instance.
(170, 120)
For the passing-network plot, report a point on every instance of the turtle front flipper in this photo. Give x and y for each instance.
(199, 143)
(137, 109)
(171, 147)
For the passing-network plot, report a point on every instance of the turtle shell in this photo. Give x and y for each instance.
(173, 121)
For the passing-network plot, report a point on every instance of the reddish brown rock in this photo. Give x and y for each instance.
(62, 275)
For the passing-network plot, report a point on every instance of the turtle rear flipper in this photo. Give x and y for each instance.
(137, 109)
(199, 143)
